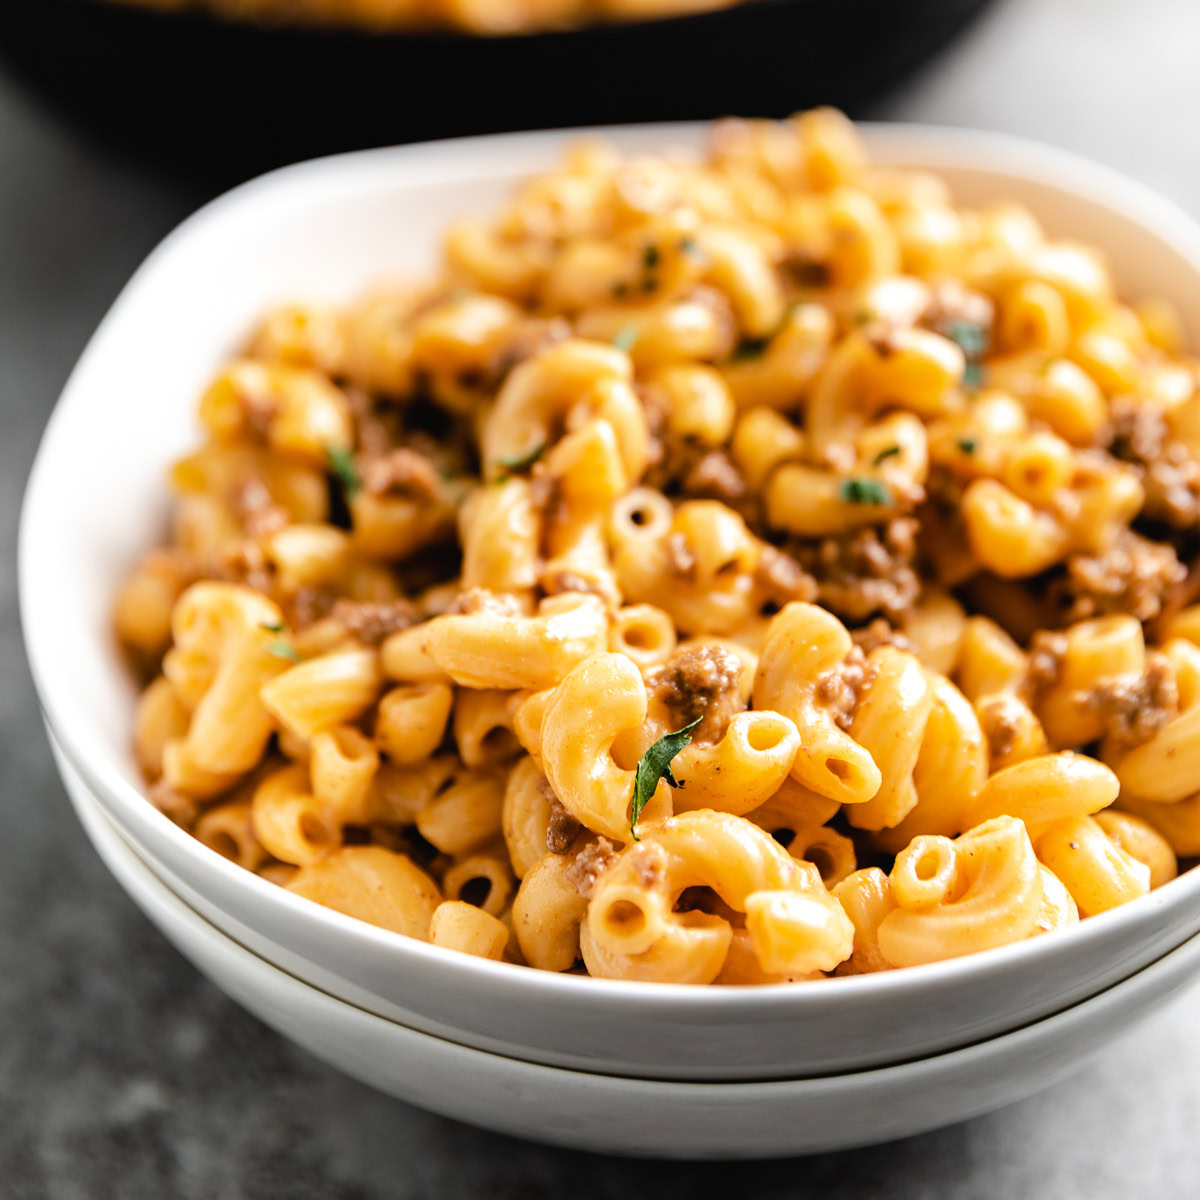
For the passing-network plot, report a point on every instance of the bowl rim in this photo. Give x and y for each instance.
(109, 843)
(467, 160)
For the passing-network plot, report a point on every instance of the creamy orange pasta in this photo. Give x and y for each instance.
(731, 569)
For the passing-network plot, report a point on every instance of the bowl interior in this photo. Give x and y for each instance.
(324, 230)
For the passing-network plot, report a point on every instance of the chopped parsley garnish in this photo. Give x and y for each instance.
(863, 317)
(690, 247)
(524, 460)
(859, 490)
(341, 463)
(650, 256)
(967, 445)
(971, 337)
(654, 765)
(626, 338)
(271, 626)
(750, 348)
(282, 650)
(886, 453)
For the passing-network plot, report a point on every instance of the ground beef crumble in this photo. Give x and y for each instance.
(880, 632)
(1172, 484)
(477, 600)
(782, 579)
(183, 810)
(547, 498)
(260, 411)
(401, 472)
(244, 562)
(1181, 596)
(555, 582)
(590, 863)
(1000, 719)
(561, 829)
(1046, 653)
(311, 604)
(372, 622)
(689, 468)
(944, 493)
(684, 465)
(867, 572)
(257, 510)
(841, 689)
(649, 861)
(700, 683)
(1135, 708)
(1138, 434)
(1134, 575)
(376, 433)
(714, 475)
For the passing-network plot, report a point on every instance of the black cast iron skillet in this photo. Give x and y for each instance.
(220, 100)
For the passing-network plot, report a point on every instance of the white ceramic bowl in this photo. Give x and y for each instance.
(639, 1116)
(97, 499)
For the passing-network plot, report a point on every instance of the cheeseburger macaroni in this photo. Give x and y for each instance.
(732, 570)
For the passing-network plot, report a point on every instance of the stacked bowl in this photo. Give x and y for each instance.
(599, 1064)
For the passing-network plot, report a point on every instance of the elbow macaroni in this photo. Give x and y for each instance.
(709, 527)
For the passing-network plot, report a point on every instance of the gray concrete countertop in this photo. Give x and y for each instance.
(125, 1075)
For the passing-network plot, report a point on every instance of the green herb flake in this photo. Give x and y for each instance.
(654, 765)
(863, 317)
(650, 257)
(341, 463)
(861, 490)
(886, 453)
(967, 445)
(971, 337)
(626, 338)
(282, 650)
(271, 626)
(973, 376)
(690, 247)
(522, 461)
(749, 349)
